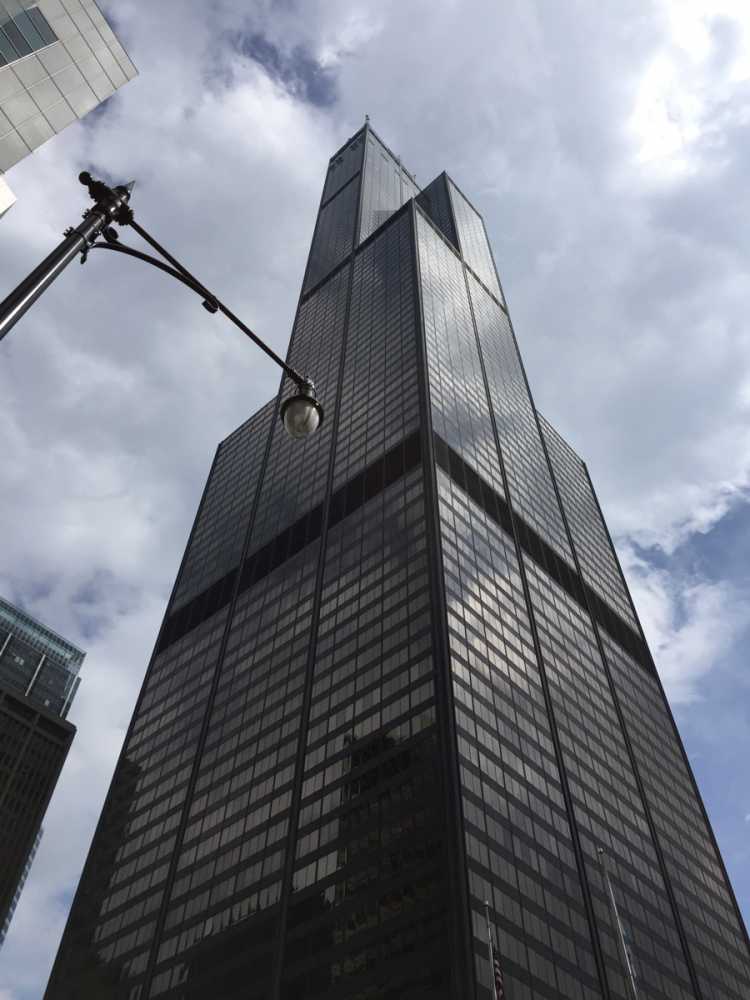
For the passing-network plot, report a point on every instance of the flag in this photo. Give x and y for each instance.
(496, 971)
(498, 976)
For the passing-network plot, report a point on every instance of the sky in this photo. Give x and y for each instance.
(607, 147)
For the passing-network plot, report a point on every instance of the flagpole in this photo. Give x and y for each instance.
(618, 922)
(490, 945)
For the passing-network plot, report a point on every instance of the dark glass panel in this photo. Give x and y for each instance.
(598, 562)
(110, 932)
(231, 856)
(42, 25)
(386, 186)
(518, 840)
(218, 536)
(18, 44)
(607, 805)
(532, 492)
(25, 32)
(344, 166)
(473, 240)
(33, 748)
(435, 201)
(27, 27)
(460, 409)
(368, 886)
(379, 404)
(334, 234)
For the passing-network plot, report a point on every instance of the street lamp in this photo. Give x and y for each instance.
(301, 413)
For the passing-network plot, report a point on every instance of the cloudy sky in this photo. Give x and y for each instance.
(607, 146)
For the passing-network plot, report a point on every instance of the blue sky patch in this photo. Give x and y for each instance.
(298, 71)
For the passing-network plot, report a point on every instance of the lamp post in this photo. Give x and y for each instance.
(301, 414)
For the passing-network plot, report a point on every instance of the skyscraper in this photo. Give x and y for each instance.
(38, 680)
(400, 674)
(5, 926)
(59, 59)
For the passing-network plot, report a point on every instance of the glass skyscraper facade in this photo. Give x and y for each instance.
(59, 59)
(19, 888)
(38, 681)
(400, 674)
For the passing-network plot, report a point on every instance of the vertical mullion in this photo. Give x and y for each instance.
(463, 983)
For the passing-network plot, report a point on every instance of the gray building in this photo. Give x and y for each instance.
(59, 59)
(400, 674)
(38, 680)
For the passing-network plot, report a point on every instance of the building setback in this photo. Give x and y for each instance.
(400, 674)
(38, 680)
(59, 59)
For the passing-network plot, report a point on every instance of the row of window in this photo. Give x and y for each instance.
(24, 33)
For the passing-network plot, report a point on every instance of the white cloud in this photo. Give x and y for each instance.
(690, 624)
(706, 59)
(356, 27)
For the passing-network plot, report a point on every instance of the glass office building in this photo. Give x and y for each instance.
(59, 59)
(38, 681)
(19, 888)
(400, 674)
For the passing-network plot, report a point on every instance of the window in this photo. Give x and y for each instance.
(24, 33)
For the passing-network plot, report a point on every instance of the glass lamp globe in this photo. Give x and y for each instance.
(302, 414)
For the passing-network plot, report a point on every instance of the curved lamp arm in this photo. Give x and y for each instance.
(211, 302)
(301, 414)
(131, 252)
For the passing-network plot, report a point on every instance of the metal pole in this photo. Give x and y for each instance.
(26, 294)
(110, 203)
(36, 674)
(490, 946)
(618, 923)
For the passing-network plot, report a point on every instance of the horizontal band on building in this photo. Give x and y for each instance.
(378, 476)
(534, 546)
(375, 478)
